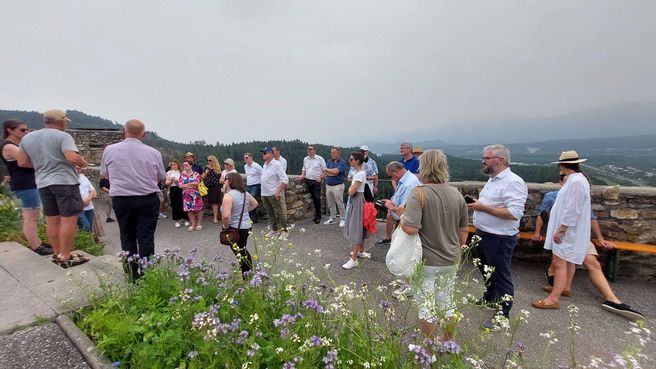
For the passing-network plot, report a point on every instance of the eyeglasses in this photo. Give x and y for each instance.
(208, 159)
(490, 157)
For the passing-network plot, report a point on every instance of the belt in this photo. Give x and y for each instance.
(487, 234)
(334, 184)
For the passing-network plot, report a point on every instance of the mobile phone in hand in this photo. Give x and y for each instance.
(469, 199)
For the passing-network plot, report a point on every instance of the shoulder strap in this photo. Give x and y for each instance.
(243, 208)
(421, 196)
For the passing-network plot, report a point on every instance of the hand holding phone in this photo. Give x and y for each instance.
(469, 199)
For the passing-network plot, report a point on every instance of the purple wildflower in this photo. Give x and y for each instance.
(254, 349)
(223, 275)
(116, 364)
(422, 356)
(451, 347)
(197, 298)
(315, 341)
(192, 354)
(239, 290)
(331, 357)
(313, 305)
(242, 337)
(289, 365)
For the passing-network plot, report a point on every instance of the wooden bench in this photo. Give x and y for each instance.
(613, 259)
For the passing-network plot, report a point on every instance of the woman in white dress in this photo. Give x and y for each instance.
(568, 232)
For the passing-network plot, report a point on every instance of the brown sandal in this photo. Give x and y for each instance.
(74, 260)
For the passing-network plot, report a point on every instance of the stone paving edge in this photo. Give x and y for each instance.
(83, 343)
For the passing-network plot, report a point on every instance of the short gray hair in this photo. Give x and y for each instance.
(500, 151)
(407, 145)
(394, 166)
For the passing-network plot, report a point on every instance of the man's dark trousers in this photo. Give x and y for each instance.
(137, 221)
(255, 191)
(496, 251)
(314, 189)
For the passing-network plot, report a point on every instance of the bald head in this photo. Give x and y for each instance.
(134, 128)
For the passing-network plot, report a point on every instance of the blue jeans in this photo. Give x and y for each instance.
(85, 220)
(255, 191)
(496, 251)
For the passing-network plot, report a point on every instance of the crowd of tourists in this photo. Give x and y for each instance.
(46, 172)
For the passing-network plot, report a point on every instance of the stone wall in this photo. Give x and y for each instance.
(92, 142)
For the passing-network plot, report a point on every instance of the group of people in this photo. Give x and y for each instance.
(46, 167)
(43, 175)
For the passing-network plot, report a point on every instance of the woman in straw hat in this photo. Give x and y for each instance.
(568, 232)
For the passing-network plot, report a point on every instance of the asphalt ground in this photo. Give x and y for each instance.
(602, 334)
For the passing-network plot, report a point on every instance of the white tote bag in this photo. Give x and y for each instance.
(404, 254)
(405, 251)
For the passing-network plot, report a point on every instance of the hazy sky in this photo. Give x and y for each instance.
(328, 71)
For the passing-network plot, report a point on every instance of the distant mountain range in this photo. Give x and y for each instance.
(624, 159)
(620, 120)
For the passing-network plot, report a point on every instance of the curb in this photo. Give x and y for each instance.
(83, 344)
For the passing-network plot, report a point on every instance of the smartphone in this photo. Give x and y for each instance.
(380, 203)
(469, 199)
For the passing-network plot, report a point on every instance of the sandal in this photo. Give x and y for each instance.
(540, 304)
(198, 228)
(191, 228)
(74, 260)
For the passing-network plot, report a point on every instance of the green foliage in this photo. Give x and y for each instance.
(11, 229)
(10, 221)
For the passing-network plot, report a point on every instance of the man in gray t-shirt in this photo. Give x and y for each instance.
(53, 155)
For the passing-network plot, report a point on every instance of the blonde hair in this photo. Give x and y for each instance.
(214, 164)
(433, 167)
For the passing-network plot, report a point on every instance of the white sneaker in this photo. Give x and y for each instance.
(190, 229)
(404, 290)
(329, 221)
(186, 223)
(341, 223)
(161, 216)
(364, 255)
(177, 225)
(198, 228)
(350, 264)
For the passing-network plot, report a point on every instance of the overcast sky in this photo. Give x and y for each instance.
(335, 72)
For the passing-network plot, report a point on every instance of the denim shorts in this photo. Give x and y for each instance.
(29, 198)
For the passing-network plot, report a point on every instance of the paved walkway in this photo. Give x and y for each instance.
(33, 290)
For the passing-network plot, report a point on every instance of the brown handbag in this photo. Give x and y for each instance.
(230, 236)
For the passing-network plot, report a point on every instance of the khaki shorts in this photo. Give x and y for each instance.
(592, 250)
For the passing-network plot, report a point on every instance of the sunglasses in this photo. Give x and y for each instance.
(23, 129)
(226, 163)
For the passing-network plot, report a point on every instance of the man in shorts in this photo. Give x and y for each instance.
(53, 155)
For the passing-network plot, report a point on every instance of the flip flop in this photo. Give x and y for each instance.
(540, 304)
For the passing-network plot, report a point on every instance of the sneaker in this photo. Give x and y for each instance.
(364, 255)
(161, 216)
(491, 326)
(623, 310)
(405, 291)
(198, 228)
(46, 245)
(350, 264)
(190, 229)
(177, 225)
(42, 250)
(186, 223)
(317, 220)
(109, 220)
(329, 221)
(384, 241)
(341, 224)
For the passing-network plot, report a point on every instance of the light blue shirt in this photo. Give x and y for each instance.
(405, 186)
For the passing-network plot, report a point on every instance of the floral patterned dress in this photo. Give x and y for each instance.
(191, 199)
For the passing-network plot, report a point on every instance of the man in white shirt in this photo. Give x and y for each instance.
(312, 174)
(253, 172)
(273, 183)
(497, 213)
(278, 157)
